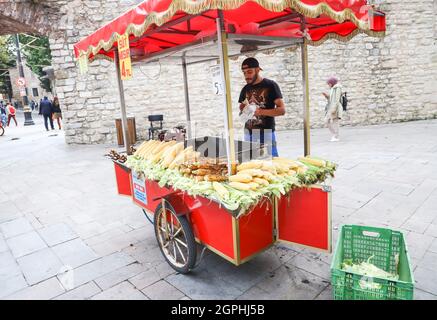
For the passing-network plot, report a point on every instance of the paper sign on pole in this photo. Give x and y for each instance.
(22, 92)
(83, 64)
(216, 79)
(124, 57)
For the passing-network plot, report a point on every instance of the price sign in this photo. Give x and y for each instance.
(217, 82)
(21, 82)
(124, 57)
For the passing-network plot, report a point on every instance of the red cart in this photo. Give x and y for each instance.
(190, 32)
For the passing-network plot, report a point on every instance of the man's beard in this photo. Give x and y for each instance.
(253, 80)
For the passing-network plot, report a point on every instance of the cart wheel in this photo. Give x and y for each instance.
(175, 239)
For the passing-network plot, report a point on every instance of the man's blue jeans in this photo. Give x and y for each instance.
(267, 137)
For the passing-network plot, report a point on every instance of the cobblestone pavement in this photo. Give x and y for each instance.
(66, 234)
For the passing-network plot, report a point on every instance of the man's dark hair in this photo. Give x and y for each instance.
(250, 63)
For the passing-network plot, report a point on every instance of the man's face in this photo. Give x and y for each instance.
(250, 74)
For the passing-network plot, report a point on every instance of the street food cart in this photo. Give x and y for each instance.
(187, 32)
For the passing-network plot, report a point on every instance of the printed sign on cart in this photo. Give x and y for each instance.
(217, 80)
(139, 187)
(124, 56)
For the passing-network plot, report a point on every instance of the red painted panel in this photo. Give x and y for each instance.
(122, 176)
(256, 230)
(211, 224)
(303, 218)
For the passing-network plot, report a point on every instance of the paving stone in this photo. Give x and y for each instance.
(162, 290)
(83, 292)
(254, 293)
(418, 244)
(74, 253)
(416, 225)
(145, 279)
(426, 280)
(57, 233)
(3, 246)
(119, 275)
(431, 231)
(15, 227)
(40, 265)
(99, 268)
(422, 295)
(200, 284)
(42, 291)
(122, 291)
(315, 266)
(433, 247)
(326, 294)
(9, 212)
(12, 284)
(292, 284)
(25, 244)
(429, 261)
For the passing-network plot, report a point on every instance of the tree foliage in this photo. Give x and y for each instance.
(36, 51)
(7, 60)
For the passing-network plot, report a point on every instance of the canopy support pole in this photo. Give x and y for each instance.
(126, 137)
(224, 62)
(187, 96)
(306, 98)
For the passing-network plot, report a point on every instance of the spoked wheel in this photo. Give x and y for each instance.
(175, 239)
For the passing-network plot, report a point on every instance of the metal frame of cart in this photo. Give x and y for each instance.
(302, 217)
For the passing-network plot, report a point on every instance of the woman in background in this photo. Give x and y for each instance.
(57, 113)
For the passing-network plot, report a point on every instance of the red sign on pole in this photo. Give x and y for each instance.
(21, 82)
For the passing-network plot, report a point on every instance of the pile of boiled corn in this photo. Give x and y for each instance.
(254, 180)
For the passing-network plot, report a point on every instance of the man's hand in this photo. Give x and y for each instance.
(258, 112)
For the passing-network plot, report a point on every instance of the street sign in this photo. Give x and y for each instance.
(21, 82)
(124, 57)
(23, 92)
(217, 82)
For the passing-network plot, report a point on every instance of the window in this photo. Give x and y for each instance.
(35, 92)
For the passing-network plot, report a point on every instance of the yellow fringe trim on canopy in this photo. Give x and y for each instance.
(346, 38)
(197, 7)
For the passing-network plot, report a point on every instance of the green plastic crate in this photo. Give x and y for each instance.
(388, 247)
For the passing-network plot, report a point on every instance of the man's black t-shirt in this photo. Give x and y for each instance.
(264, 95)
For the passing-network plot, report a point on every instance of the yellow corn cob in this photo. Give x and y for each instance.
(149, 147)
(249, 165)
(315, 162)
(261, 181)
(222, 192)
(159, 155)
(142, 146)
(244, 178)
(268, 166)
(240, 186)
(252, 172)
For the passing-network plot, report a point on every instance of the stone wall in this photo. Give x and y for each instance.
(388, 80)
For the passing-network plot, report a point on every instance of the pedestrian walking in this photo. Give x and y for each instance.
(334, 108)
(32, 105)
(57, 113)
(46, 109)
(2, 109)
(11, 114)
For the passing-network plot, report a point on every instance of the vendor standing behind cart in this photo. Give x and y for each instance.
(267, 97)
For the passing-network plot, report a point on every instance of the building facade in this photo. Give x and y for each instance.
(392, 79)
(33, 86)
